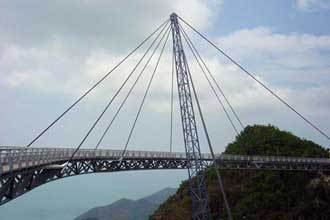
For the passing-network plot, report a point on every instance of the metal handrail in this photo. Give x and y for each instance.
(23, 157)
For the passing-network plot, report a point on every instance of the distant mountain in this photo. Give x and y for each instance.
(127, 209)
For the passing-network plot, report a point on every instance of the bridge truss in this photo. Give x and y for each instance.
(22, 171)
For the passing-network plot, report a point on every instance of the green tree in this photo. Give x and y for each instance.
(271, 195)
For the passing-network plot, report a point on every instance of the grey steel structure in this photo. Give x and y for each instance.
(195, 167)
(22, 170)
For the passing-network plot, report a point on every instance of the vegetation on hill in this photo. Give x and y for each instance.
(270, 195)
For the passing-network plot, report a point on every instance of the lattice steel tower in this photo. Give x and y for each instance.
(200, 208)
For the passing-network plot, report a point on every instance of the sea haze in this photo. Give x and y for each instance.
(68, 198)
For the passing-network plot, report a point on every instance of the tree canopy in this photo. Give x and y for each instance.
(270, 195)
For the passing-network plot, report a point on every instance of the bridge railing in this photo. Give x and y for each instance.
(6, 153)
(277, 159)
(13, 158)
(14, 154)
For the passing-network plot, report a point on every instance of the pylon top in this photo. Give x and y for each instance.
(173, 17)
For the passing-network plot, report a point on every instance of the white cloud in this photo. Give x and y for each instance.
(289, 57)
(49, 58)
(81, 26)
(67, 53)
(281, 53)
(264, 39)
(313, 5)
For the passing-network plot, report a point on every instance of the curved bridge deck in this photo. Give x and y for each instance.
(24, 169)
(15, 159)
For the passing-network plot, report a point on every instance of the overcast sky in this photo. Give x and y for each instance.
(52, 51)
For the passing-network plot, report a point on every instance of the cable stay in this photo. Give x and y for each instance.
(96, 84)
(214, 80)
(115, 95)
(172, 104)
(319, 130)
(145, 95)
(209, 82)
(129, 92)
(214, 159)
(181, 73)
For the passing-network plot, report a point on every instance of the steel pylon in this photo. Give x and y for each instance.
(199, 197)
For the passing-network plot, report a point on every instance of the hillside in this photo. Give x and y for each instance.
(267, 195)
(127, 209)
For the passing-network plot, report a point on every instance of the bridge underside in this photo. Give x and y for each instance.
(16, 183)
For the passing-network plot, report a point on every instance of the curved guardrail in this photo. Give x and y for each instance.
(22, 170)
(16, 158)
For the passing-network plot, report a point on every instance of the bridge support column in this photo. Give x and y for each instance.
(200, 208)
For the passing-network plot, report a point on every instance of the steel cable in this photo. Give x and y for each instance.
(95, 85)
(259, 82)
(115, 95)
(144, 97)
(172, 104)
(208, 80)
(128, 94)
(214, 80)
(211, 149)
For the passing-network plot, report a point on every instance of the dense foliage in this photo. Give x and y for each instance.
(261, 194)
